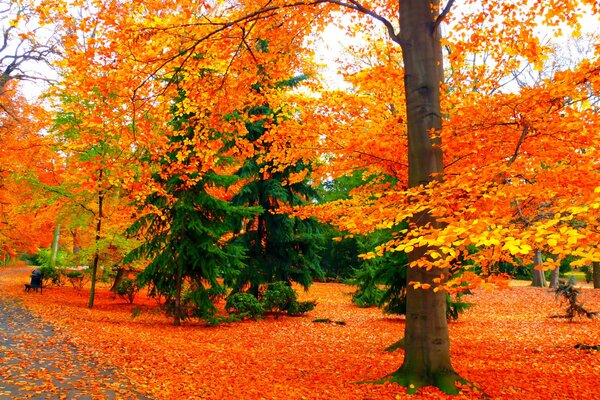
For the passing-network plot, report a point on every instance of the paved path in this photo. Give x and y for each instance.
(37, 362)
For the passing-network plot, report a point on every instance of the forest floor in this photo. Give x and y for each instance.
(507, 344)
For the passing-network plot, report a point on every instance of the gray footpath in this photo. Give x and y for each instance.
(39, 362)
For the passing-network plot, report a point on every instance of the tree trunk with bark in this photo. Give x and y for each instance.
(539, 280)
(596, 274)
(177, 311)
(427, 354)
(121, 273)
(99, 217)
(54, 249)
(555, 277)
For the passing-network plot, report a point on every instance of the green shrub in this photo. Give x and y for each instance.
(588, 272)
(52, 276)
(456, 306)
(278, 297)
(368, 293)
(301, 307)
(42, 258)
(244, 305)
(570, 294)
(128, 289)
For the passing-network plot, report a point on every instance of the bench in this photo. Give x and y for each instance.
(36, 282)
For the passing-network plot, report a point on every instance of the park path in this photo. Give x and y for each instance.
(40, 362)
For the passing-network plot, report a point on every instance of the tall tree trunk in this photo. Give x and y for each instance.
(76, 240)
(554, 277)
(596, 274)
(427, 354)
(555, 273)
(178, 288)
(539, 280)
(99, 217)
(54, 250)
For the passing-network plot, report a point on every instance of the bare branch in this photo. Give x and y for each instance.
(443, 15)
(519, 144)
(262, 13)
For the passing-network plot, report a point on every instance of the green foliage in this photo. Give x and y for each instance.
(339, 258)
(279, 247)
(42, 258)
(588, 272)
(77, 279)
(244, 305)
(368, 292)
(382, 281)
(517, 270)
(296, 308)
(128, 289)
(52, 275)
(569, 293)
(456, 306)
(183, 237)
(278, 297)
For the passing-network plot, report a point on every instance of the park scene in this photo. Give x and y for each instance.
(299, 199)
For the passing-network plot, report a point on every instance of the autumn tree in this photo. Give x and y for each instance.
(477, 182)
(24, 47)
(91, 194)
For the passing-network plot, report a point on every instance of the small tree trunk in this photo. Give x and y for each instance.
(178, 288)
(118, 279)
(555, 273)
(97, 242)
(539, 280)
(55, 240)
(596, 274)
(76, 241)
(554, 277)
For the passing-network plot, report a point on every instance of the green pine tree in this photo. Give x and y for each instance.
(184, 236)
(280, 247)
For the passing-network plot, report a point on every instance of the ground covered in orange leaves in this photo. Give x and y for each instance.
(507, 345)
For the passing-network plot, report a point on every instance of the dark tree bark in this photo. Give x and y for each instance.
(121, 273)
(99, 217)
(178, 288)
(596, 274)
(427, 355)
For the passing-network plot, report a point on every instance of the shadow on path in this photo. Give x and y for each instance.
(37, 362)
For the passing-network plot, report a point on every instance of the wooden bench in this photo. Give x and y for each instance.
(36, 283)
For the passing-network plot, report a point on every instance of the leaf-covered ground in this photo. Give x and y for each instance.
(39, 361)
(507, 345)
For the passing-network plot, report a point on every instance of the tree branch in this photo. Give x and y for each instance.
(443, 15)
(263, 13)
(521, 140)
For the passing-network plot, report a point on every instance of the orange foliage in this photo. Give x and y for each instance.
(506, 344)
(26, 220)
